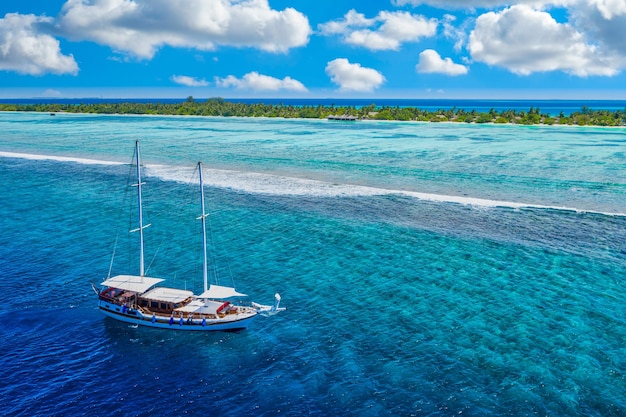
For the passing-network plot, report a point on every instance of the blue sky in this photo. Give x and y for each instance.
(534, 49)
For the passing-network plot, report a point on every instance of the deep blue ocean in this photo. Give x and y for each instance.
(427, 269)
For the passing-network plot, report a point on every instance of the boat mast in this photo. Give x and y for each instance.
(203, 218)
(140, 208)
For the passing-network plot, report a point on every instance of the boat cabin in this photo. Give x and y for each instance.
(164, 300)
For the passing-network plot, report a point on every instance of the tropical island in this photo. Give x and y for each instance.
(220, 107)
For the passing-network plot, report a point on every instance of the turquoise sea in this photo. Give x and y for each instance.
(427, 269)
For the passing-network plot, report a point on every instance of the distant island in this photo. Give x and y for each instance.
(220, 107)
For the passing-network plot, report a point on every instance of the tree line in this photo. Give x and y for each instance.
(220, 107)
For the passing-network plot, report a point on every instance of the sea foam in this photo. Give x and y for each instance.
(270, 184)
(35, 157)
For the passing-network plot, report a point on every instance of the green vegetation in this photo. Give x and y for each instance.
(221, 107)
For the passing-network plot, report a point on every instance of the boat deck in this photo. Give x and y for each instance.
(173, 305)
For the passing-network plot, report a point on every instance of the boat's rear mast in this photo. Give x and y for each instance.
(140, 210)
(203, 218)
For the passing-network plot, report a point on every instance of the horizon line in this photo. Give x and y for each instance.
(312, 98)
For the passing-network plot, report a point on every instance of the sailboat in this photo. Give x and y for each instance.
(141, 301)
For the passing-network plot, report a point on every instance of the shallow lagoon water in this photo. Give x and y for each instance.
(428, 269)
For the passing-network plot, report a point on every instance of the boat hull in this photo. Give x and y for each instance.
(230, 323)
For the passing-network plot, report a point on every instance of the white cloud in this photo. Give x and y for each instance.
(351, 19)
(431, 63)
(353, 77)
(457, 34)
(525, 41)
(258, 82)
(140, 27)
(189, 81)
(609, 8)
(51, 93)
(605, 20)
(388, 30)
(25, 49)
(474, 4)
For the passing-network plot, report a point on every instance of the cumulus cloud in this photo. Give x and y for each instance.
(609, 8)
(430, 62)
(474, 4)
(258, 82)
(525, 41)
(26, 49)
(606, 21)
(387, 31)
(189, 81)
(352, 19)
(353, 77)
(140, 27)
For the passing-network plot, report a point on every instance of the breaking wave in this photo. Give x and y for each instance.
(270, 184)
(35, 157)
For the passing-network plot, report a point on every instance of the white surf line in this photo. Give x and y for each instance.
(480, 202)
(257, 183)
(269, 184)
(35, 157)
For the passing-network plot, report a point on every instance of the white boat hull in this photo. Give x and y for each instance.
(231, 322)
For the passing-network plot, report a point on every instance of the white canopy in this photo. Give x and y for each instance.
(220, 292)
(132, 283)
(167, 295)
(200, 307)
